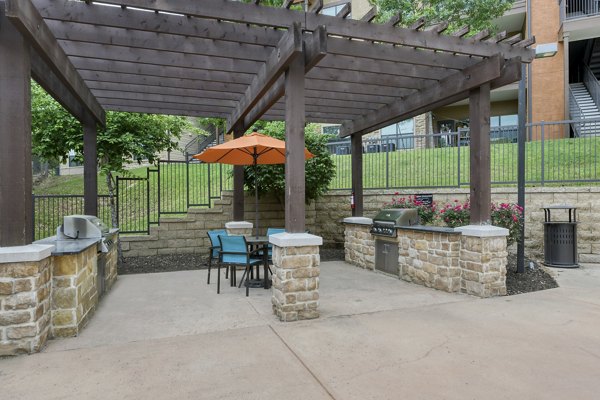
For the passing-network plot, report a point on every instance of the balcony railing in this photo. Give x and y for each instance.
(571, 9)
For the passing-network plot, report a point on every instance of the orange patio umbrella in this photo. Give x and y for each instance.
(252, 149)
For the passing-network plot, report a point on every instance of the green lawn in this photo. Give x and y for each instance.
(564, 159)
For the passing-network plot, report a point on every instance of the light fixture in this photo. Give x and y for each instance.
(546, 50)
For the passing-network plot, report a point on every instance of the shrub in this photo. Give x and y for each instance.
(509, 216)
(456, 214)
(427, 213)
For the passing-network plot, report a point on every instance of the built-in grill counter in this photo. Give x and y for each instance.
(469, 259)
(84, 268)
(385, 230)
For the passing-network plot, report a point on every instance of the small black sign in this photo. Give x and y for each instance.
(426, 199)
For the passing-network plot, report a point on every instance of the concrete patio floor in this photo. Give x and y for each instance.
(170, 336)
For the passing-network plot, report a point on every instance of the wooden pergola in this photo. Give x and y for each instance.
(242, 62)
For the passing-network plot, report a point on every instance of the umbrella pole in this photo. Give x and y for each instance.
(255, 194)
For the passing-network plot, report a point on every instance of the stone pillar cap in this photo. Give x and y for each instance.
(482, 230)
(285, 239)
(28, 253)
(238, 225)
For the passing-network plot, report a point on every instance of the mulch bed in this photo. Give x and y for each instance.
(532, 280)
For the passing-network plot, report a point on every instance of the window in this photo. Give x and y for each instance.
(401, 133)
(333, 10)
(331, 130)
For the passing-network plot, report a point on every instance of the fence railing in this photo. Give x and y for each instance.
(167, 189)
(553, 156)
(570, 9)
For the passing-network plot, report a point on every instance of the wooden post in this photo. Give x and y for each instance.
(479, 114)
(90, 167)
(238, 183)
(294, 148)
(357, 183)
(16, 203)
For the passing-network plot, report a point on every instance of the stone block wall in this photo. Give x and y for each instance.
(24, 306)
(324, 218)
(360, 246)
(74, 292)
(430, 259)
(295, 282)
(483, 265)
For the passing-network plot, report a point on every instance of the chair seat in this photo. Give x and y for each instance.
(240, 259)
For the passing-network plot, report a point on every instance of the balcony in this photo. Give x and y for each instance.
(580, 18)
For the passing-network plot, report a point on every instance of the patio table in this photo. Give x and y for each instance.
(256, 242)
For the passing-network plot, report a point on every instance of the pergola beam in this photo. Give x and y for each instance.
(289, 47)
(315, 48)
(99, 15)
(47, 79)
(25, 16)
(471, 77)
(160, 58)
(281, 18)
(121, 36)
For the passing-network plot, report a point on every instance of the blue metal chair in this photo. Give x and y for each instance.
(215, 247)
(234, 252)
(273, 231)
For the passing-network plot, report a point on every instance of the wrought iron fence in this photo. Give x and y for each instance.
(49, 210)
(169, 188)
(556, 153)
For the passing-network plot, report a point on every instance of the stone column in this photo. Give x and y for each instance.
(296, 271)
(25, 273)
(483, 259)
(239, 228)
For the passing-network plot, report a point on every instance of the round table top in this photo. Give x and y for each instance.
(257, 240)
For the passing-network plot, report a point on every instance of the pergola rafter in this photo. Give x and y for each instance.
(239, 61)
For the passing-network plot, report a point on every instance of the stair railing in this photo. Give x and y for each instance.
(576, 113)
(198, 144)
(592, 84)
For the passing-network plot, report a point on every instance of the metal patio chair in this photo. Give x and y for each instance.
(234, 252)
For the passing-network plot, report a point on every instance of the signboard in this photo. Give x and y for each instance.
(426, 199)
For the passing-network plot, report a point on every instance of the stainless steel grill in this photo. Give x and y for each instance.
(386, 222)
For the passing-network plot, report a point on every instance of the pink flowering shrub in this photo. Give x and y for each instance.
(456, 214)
(509, 216)
(505, 215)
(427, 213)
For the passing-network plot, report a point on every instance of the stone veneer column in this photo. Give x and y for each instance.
(25, 273)
(296, 271)
(359, 245)
(239, 228)
(483, 259)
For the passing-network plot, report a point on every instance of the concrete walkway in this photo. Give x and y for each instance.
(169, 336)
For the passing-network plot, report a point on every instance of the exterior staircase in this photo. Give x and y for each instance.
(594, 62)
(584, 108)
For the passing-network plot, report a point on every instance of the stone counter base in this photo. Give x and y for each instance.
(471, 261)
(24, 306)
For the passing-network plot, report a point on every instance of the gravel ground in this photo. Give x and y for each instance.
(532, 280)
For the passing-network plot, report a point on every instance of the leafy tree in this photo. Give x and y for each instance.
(127, 137)
(320, 169)
(478, 14)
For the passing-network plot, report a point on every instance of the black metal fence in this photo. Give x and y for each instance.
(556, 153)
(169, 188)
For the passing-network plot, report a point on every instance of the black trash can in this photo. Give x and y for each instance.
(560, 238)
